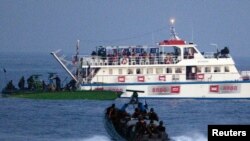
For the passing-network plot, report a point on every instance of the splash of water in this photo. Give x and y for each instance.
(93, 138)
(97, 138)
(191, 137)
(187, 137)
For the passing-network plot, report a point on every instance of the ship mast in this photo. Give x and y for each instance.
(173, 35)
(77, 48)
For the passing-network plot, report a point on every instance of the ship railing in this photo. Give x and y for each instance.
(130, 60)
(245, 75)
(211, 55)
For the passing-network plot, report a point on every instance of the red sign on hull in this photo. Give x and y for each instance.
(214, 88)
(224, 88)
(121, 78)
(164, 90)
(162, 78)
(200, 76)
(140, 78)
(175, 89)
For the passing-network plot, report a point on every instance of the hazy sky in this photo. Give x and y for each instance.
(48, 25)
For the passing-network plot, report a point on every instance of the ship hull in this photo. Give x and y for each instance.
(217, 89)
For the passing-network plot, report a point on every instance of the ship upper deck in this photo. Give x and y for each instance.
(171, 51)
(147, 55)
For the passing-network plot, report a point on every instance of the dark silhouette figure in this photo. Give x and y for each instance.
(58, 83)
(93, 53)
(30, 82)
(111, 112)
(71, 85)
(134, 98)
(152, 115)
(10, 86)
(44, 85)
(137, 113)
(21, 83)
(141, 128)
(152, 128)
(161, 128)
(224, 52)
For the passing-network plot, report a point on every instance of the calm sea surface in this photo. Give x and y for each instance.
(82, 120)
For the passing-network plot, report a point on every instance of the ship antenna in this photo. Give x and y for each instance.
(172, 30)
(75, 58)
(77, 47)
(192, 33)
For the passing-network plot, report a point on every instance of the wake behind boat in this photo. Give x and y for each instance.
(171, 69)
(138, 126)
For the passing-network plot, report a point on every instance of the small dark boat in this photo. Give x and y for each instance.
(138, 126)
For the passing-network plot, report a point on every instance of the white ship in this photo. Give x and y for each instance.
(170, 69)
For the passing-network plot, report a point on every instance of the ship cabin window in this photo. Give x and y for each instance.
(150, 71)
(139, 71)
(178, 70)
(168, 70)
(120, 71)
(207, 69)
(199, 70)
(177, 51)
(110, 71)
(216, 69)
(159, 70)
(130, 71)
(226, 69)
(189, 53)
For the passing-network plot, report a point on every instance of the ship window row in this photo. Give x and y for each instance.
(168, 70)
(146, 71)
(216, 69)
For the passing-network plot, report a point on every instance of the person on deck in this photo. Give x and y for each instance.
(10, 86)
(161, 129)
(152, 128)
(58, 83)
(134, 98)
(152, 115)
(44, 86)
(111, 111)
(124, 115)
(142, 108)
(141, 128)
(71, 85)
(21, 83)
(30, 82)
(137, 113)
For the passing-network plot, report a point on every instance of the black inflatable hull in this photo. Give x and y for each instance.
(127, 133)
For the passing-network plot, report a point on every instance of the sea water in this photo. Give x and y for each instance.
(82, 120)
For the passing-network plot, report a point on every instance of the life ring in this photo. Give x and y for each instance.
(124, 61)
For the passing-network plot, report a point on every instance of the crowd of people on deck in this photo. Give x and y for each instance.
(131, 56)
(34, 84)
(147, 121)
(136, 56)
